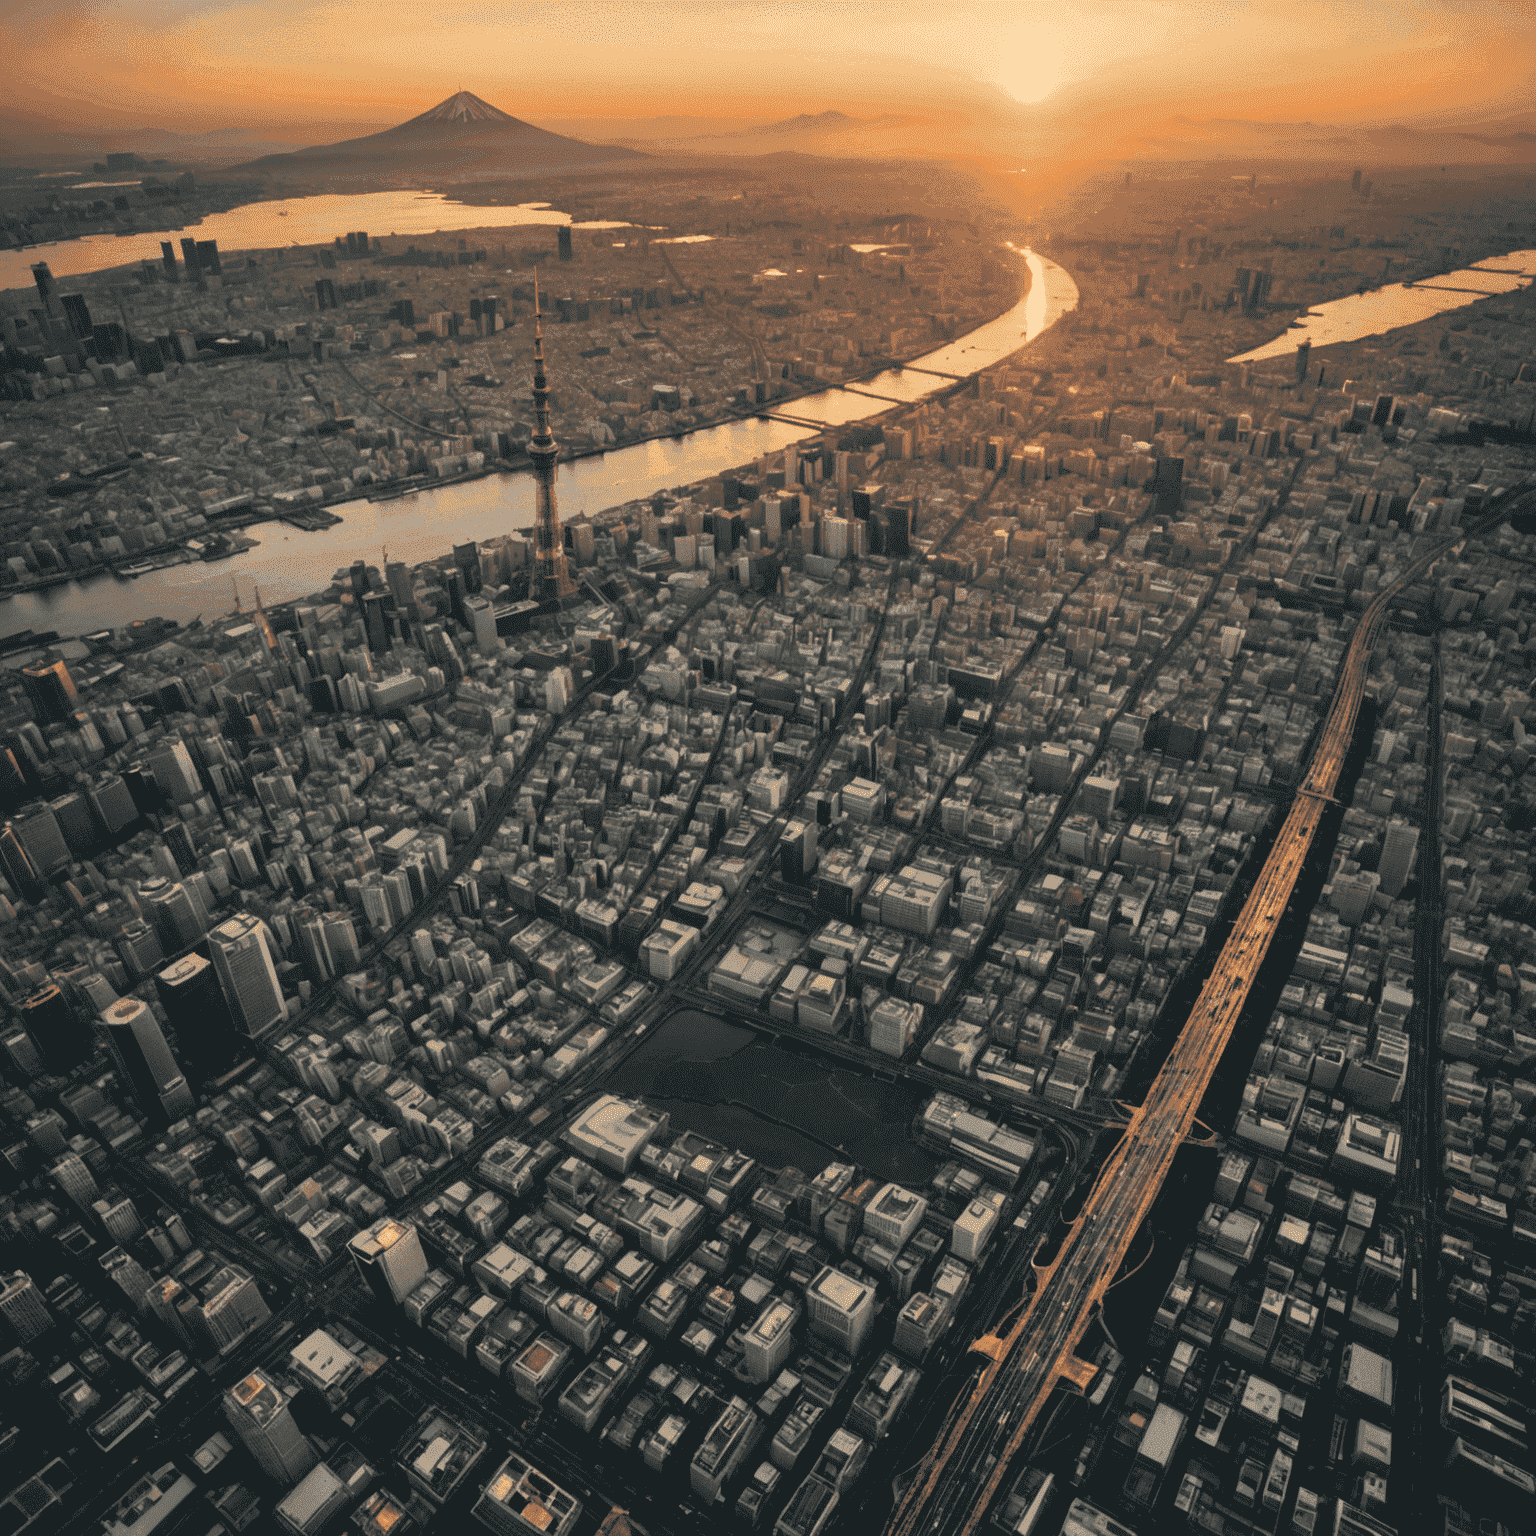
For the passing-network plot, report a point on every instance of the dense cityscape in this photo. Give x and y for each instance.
(637, 1023)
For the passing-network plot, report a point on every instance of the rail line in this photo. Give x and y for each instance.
(958, 1479)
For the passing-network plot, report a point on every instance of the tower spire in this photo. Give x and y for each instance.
(551, 571)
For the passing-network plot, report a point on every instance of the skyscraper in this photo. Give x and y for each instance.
(1398, 850)
(44, 842)
(176, 912)
(20, 1054)
(47, 287)
(175, 772)
(149, 1070)
(341, 937)
(50, 691)
(179, 841)
(13, 782)
(25, 877)
(119, 1218)
(76, 1180)
(140, 948)
(316, 949)
(234, 1306)
(72, 812)
(467, 558)
(162, 1300)
(23, 1307)
(128, 1275)
(376, 622)
(112, 803)
(61, 1039)
(261, 1417)
(241, 949)
(551, 574)
(390, 1260)
(402, 588)
(194, 1003)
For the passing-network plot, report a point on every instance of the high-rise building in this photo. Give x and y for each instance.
(43, 840)
(467, 558)
(390, 1260)
(163, 1301)
(119, 1218)
(47, 288)
(72, 812)
(75, 1180)
(128, 1275)
(770, 1341)
(341, 936)
(25, 877)
(61, 1039)
(315, 946)
(242, 953)
(179, 841)
(841, 1309)
(401, 586)
(20, 1054)
(140, 948)
(262, 1418)
(194, 1004)
(77, 315)
(22, 1306)
(175, 772)
(233, 1308)
(480, 617)
(142, 789)
(13, 781)
(149, 1070)
(551, 572)
(178, 915)
(376, 623)
(97, 991)
(50, 691)
(112, 803)
(1398, 849)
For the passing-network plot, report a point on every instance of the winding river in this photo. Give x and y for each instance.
(307, 221)
(289, 564)
(1398, 304)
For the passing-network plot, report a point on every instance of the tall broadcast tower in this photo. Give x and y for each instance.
(551, 572)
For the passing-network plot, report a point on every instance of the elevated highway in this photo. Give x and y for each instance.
(957, 1481)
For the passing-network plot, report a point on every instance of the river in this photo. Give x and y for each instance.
(289, 564)
(286, 221)
(1399, 304)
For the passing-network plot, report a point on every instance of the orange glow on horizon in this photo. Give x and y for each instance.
(320, 70)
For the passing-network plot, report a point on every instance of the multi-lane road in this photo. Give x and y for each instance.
(959, 1478)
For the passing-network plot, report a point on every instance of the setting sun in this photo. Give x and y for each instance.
(1030, 66)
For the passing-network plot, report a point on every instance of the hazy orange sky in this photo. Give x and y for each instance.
(200, 64)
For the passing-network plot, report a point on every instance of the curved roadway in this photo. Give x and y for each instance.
(957, 1481)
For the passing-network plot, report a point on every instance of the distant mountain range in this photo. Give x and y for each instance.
(819, 133)
(460, 136)
(1497, 143)
(465, 138)
(813, 122)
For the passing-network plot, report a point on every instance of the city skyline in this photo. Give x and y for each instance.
(866, 868)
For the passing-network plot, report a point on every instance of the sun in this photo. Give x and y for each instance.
(1029, 64)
